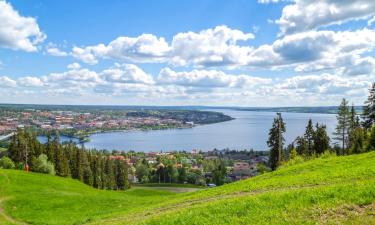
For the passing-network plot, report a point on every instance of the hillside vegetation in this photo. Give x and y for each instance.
(325, 191)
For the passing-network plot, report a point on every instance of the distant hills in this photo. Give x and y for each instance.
(296, 109)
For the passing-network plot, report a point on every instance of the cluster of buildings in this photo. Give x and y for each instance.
(62, 120)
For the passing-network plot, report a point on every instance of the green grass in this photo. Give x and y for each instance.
(169, 185)
(334, 190)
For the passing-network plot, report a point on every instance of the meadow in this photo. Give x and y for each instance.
(327, 190)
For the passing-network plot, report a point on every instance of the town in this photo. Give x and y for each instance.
(81, 121)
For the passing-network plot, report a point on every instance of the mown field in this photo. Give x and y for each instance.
(333, 190)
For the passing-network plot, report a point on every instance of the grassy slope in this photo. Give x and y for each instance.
(326, 190)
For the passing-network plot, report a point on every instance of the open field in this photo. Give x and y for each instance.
(324, 191)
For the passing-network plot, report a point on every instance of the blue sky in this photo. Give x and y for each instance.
(239, 53)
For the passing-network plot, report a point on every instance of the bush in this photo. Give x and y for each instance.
(42, 165)
(6, 163)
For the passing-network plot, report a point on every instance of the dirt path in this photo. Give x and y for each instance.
(130, 219)
(8, 219)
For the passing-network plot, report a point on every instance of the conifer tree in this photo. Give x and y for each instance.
(309, 137)
(343, 125)
(276, 141)
(321, 139)
(368, 114)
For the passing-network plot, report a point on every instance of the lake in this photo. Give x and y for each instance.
(249, 130)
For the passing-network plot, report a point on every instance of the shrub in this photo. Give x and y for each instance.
(42, 165)
(6, 163)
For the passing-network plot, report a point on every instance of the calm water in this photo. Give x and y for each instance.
(248, 130)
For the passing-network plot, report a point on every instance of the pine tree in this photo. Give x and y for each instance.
(276, 141)
(309, 137)
(110, 179)
(343, 125)
(301, 145)
(321, 139)
(368, 114)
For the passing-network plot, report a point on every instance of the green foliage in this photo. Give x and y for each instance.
(368, 114)
(276, 141)
(42, 165)
(293, 154)
(343, 125)
(142, 172)
(6, 163)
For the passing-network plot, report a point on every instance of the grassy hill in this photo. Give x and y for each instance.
(334, 190)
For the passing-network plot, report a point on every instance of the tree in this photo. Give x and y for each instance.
(309, 137)
(293, 153)
(368, 114)
(142, 171)
(371, 140)
(219, 173)
(301, 145)
(343, 125)
(182, 175)
(6, 163)
(321, 139)
(276, 141)
(358, 138)
(121, 175)
(42, 165)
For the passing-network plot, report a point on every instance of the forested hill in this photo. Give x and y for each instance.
(327, 190)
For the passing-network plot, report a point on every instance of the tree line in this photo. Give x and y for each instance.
(99, 169)
(354, 134)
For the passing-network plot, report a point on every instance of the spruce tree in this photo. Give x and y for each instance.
(276, 141)
(309, 137)
(368, 114)
(321, 139)
(343, 125)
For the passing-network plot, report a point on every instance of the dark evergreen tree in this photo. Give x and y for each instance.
(276, 141)
(301, 145)
(321, 139)
(309, 137)
(368, 114)
(343, 126)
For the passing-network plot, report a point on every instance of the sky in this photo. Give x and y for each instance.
(188, 52)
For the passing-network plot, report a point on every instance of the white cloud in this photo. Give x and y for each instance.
(314, 50)
(56, 52)
(7, 82)
(305, 15)
(208, 79)
(144, 48)
(18, 32)
(85, 55)
(30, 81)
(127, 73)
(74, 66)
(211, 47)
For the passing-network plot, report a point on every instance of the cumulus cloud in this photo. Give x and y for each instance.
(208, 79)
(74, 66)
(18, 32)
(211, 47)
(144, 48)
(56, 52)
(314, 50)
(7, 82)
(30, 81)
(127, 73)
(305, 15)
